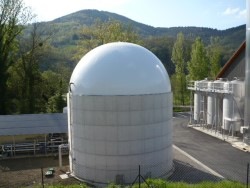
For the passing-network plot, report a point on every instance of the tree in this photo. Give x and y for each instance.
(30, 67)
(113, 31)
(198, 66)
(102, 33)
(55, 85)
(13, 16)
(215, 56)
(162, 47)
(178, 58)
(56, 102)
(27, 72)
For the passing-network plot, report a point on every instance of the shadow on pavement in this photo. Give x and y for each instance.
(185, 172)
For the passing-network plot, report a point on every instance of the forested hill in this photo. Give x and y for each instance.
(67, 33)
(88, 17)
(41, 59)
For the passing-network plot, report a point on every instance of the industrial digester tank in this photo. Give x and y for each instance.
(120, 115)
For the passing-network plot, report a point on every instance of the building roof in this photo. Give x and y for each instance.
(27, 124)
(232, 60)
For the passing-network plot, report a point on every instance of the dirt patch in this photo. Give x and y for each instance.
(27, 172)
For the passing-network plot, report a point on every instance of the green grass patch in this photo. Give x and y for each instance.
(180, 109)
(159, 183)
(67, 186)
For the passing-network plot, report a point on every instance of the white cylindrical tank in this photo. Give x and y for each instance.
(120, 104)
(238, 90)
(218, 89)
(233, 105)
(197, 101)
(227, 106)
(203, 85)
(210, 103)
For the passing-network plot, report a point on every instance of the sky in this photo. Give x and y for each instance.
(218, 14)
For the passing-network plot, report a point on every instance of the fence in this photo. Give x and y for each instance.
(27, 172)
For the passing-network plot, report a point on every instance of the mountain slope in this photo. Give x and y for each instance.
(67, 30)
(88, 17)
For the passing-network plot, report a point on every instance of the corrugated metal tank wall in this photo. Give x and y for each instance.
(114, 134)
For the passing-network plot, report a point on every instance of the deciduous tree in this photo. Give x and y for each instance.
(198, 66)
(215, 57)
(178, 58)
(27, 72)
(102, 33)
(13, 16)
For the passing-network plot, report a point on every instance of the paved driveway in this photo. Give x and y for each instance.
(218, 155)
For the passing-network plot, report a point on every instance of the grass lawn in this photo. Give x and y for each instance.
(158, 183)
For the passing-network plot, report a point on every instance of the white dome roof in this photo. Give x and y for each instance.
(119, 69)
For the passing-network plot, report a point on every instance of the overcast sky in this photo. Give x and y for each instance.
(220, 14)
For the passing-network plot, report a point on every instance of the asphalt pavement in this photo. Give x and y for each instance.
(218, 155)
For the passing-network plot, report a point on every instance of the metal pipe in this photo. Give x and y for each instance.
(42, 177)
(139, 176)
(60, 155)
(34, 147)
(247, 173)
(69, 98)
(247, 73)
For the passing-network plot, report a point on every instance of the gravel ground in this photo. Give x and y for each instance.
(26, 172)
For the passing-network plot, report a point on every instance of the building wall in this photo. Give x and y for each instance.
(236, 69)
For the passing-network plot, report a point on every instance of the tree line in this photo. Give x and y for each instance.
(34, 74)
(202, 62)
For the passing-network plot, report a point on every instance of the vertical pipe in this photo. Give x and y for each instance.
(247, 73)
(139, 176)
(247, 173)
(45, 144)
(191, 103)
(69, 110)
(60, 155)
(42, 177)
(14, 146)
(34, 147)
